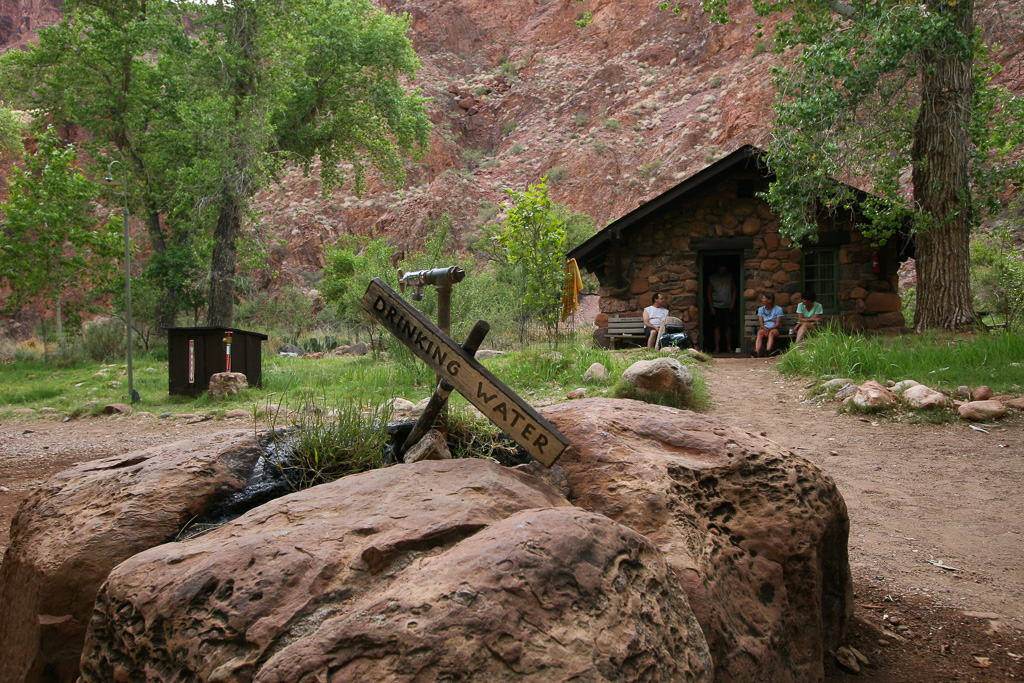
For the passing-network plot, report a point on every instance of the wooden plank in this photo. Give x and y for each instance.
(514, 416)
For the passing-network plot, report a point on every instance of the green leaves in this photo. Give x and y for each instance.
(52, 245)
(534, 238)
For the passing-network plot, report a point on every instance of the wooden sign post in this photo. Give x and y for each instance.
(539, 437)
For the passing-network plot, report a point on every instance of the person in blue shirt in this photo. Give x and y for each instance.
(809, 315)
(768, 318)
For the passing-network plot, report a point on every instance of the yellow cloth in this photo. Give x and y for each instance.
(573, 287)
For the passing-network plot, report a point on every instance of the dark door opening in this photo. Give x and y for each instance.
(722, 280)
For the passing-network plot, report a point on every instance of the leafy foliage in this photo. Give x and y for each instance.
(534, 238)
(50, 243)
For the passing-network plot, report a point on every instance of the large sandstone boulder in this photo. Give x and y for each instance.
(665, 376)
(72, 531)
(756, 534)
(440, 570)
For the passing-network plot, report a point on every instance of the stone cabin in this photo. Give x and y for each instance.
(675, 241)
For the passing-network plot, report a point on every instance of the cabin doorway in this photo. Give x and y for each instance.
(721, 272)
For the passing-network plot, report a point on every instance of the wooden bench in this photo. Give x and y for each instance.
(786, 323)
(626, 327)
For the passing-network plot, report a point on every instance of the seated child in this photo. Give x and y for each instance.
(768, 317)
(809, 315)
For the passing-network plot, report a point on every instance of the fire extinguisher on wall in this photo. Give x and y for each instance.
(876, 266)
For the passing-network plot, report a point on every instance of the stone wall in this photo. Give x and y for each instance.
(660, 255)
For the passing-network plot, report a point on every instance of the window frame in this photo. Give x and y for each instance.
(818, 253)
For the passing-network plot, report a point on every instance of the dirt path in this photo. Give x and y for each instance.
(916, 493)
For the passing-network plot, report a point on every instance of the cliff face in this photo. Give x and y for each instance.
(614, 113)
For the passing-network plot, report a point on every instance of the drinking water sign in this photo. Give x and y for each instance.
(539, 437)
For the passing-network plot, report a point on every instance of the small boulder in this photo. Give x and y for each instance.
(1016, 403)
(920, 396)
(117, 409)
(873, 396)
(982, 393)
(290, 350)
(837, 383)
(963, 391)
(357, 349)
(900, 387)
(431, 447)
(484, 354)
(227, 384)
(595, 373)
(238, 414)
(576, 393)
(664, 376)
(698, 355)
(979, 411)
(401, 405)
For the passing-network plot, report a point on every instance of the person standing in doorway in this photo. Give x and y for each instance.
(653, 315)
(721, 295)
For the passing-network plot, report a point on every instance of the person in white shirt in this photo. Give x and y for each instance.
(653, 315)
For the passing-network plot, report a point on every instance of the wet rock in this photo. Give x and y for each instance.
(756, 534)
(979, 411)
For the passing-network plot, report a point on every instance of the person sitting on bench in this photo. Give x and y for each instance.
(808, 314)
(768, 317)
(653, 316)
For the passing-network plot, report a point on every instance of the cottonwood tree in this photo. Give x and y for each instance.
(207, 116)
(896, 97)
(52, 247)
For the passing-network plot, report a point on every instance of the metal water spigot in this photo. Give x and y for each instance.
(442, 278)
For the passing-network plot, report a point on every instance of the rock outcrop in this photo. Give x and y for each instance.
(455, 570)
(72, 531)
(757, 535)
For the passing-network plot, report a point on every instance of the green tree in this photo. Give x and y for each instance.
(10, 132)
(877, 91)
(51, 247)
(351, 264)
(204, 119)
(534, 238)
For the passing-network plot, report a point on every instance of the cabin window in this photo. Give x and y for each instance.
(821, 276)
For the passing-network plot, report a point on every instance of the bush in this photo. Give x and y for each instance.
(104, 340)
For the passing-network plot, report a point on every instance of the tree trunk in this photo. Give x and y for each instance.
(60, 328)
(222, 265)
(941, 155)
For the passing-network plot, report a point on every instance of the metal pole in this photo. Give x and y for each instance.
(132, 396)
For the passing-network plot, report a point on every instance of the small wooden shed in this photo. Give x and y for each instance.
(195, 354)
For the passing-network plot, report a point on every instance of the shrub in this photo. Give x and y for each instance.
(557, 174)
(103, 340)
